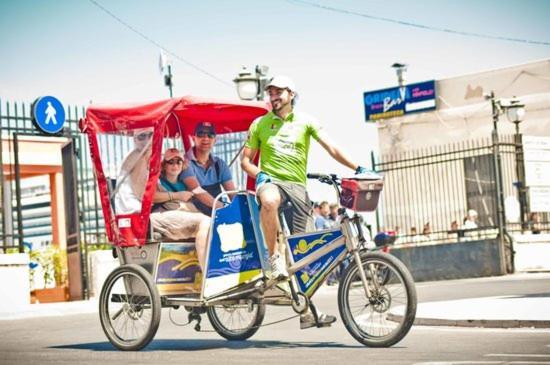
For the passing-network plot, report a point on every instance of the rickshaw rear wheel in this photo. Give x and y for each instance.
(129, 307)
(236, 322)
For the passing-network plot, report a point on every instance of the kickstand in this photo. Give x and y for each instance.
(195, 317)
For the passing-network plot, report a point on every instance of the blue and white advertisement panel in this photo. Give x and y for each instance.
(398, 101)
(234, 258)
(302, 246)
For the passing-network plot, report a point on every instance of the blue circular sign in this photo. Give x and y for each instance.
(48, 114)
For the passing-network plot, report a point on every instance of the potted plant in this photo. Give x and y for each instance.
(53, 262)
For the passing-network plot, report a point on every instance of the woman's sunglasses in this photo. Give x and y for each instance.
(173, 161)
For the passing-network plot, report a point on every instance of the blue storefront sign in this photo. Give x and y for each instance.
(48, 114)
(398, 101)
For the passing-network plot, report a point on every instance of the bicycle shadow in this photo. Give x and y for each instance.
(206, 344)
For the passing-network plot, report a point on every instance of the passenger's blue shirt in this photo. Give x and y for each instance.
(206, 176)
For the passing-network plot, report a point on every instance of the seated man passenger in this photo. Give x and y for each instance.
(174, 216)
(211, 171)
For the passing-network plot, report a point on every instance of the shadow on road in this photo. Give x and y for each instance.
(197, 345)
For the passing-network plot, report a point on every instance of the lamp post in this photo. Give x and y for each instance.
(250, 86)
(166, 64)
(515, 111)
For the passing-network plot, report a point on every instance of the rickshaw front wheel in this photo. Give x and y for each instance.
(236, 322)
(129, 307)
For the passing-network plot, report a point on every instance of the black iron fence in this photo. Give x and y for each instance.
(428, 193)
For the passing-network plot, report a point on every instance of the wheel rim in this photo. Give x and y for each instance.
(236, 318)
(385, 312)
(127, 307)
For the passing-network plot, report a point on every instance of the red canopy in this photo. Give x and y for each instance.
(180, 114)
(169, 118)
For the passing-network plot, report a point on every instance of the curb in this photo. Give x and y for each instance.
(484, 323)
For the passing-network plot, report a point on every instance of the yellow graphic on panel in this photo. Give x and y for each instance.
(303, 247)
(183, 260)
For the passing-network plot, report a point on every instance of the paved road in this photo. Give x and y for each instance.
(79, 339)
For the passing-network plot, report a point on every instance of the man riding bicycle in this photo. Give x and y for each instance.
(282, 137)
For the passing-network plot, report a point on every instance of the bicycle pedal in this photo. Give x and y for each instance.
(197, 327)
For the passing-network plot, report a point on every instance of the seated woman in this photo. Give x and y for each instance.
(174, 216)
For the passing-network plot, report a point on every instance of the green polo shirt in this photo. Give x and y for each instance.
(283, 144)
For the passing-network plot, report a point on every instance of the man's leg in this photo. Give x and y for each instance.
(269, 214)
(270, 200)
(200, 241)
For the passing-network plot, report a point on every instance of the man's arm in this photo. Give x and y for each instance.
(335, 151)
(202, 195)
(247, 164)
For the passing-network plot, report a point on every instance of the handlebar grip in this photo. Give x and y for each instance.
(315, 175)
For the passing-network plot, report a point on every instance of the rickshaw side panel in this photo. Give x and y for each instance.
(177, 269)
(303, 245)
(233, 255)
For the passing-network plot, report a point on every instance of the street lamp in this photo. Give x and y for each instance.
(166, 64)
(251, 86)
(514, 111)
(400, 70)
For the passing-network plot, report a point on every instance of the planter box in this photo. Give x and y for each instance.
(51, 295)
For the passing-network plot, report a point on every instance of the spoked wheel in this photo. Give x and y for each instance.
(129, 308)
(236, 322)
(387, 316)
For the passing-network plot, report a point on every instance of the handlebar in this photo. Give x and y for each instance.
(331, 179)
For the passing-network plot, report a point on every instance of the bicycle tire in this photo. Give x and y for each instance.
(134, 308)
(379, 307)
(239, 332)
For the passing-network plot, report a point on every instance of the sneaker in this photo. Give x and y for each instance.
(278, 267)
(307, 320)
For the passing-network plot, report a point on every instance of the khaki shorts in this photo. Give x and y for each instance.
(296, 205)
(177, 224)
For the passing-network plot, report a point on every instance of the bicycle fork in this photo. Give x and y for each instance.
(352, 243)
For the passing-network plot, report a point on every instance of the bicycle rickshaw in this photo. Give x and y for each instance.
(376, 295)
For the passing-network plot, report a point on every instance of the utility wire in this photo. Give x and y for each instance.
(152, 41)
(416, 25)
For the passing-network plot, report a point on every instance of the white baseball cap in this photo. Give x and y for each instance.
(281, 82)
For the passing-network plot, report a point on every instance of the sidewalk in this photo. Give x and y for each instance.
(491, 312)
(53, 309)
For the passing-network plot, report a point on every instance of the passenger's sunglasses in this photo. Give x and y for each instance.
(173, 161)
(144, 136)
(205, 134)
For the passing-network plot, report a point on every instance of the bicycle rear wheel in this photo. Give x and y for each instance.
(387, 316)
(129, 308)
(236, 322)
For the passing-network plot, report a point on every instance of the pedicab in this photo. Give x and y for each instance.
(235, 288)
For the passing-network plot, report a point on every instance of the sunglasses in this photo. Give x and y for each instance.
(144, 136)
(173, 161)
(205, 134)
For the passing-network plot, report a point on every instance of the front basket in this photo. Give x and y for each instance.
(361, 195)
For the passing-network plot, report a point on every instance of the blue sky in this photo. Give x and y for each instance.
(75, 51)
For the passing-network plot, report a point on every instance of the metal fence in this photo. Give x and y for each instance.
(428, 192)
